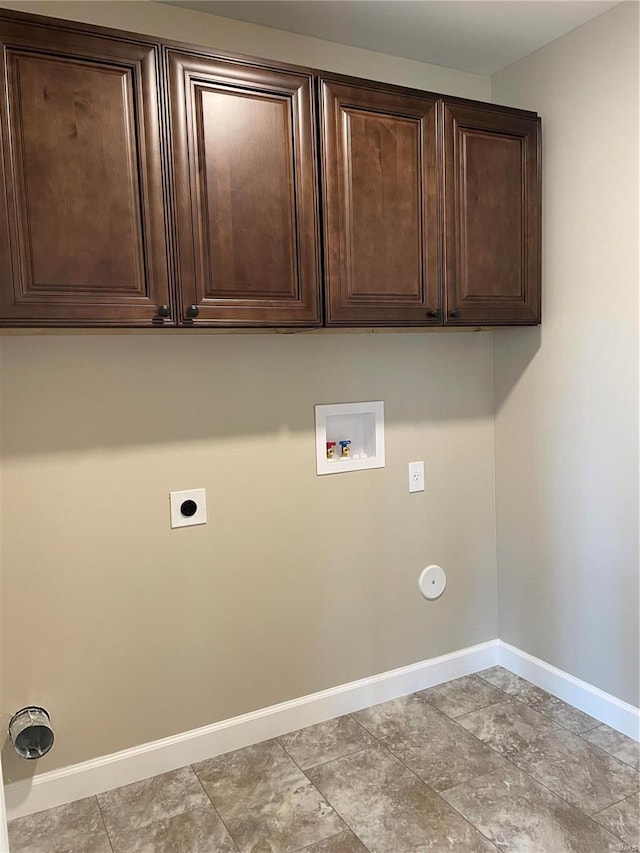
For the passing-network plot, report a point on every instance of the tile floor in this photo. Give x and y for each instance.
(483, 763)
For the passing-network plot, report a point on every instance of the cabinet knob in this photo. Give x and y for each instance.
(193, 311)
(435, 312)
(454, 312)
(164, 311)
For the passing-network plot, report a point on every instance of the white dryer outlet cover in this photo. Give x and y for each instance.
(188, 507)
(432, 582)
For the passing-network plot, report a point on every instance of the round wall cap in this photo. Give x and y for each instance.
(432, 582)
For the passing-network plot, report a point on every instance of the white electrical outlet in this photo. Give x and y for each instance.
(416, 476)
(188, 507)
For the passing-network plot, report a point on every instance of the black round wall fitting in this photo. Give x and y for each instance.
(188, 508)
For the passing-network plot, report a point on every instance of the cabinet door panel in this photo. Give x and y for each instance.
(381, 215)
(248, 180)
(85, 218)
(492, 216)
(244, 166)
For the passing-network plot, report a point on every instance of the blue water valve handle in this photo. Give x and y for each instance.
(345, 447)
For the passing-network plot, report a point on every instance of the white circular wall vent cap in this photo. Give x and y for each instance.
(432, 582)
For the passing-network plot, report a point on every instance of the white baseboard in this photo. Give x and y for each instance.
(593, 701)
(131, 765)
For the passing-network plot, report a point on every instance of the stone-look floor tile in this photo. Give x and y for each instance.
(199, 831)
(74, 828)
(142, 803)
(512, 684)
(390, 809)
(564, 714)
(431, 744)
(578, 772)
(541, 701)
(266, 801)
(623, 819)
(325, 741)
(624, 748)
(346, 842)
(569, 766)
(268, 804)
(285, 823)
(520, 816)
(508, 727)
(249, 777)
(462, 695)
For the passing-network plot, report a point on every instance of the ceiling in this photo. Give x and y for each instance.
(481, 36)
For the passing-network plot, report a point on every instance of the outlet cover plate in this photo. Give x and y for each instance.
(416, 476)
(176, 499)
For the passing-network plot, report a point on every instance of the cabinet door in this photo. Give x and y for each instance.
(492, 216)
(245, 191)
(379, 151)
(83, 233)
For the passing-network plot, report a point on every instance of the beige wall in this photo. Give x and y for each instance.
(128, 631)
(169, 22)
(567, 393)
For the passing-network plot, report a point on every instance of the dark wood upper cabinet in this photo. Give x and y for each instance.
(245, 179)
(381, 196)
(492, 215)
(82, 220)
(162, 184)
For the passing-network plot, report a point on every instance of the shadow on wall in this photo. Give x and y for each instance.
(523, 345)
(71, 393)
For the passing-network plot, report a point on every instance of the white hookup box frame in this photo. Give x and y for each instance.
(360, 423)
